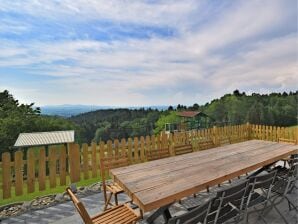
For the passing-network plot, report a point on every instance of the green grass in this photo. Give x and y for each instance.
(29, 196)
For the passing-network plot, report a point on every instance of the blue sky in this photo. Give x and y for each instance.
(134, 53)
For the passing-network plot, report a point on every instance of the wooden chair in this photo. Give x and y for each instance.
(205, 144)
(224, 140)
(183, 149)
(155, 154)
(197, 215)
(229, 204)
(121, 214)
(285, 140)
(106, 164)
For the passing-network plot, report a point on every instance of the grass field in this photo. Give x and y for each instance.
(29, 196)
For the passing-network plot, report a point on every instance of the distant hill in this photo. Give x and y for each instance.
(68, 110)
(116, 123)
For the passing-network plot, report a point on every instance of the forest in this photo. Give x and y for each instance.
(278, 109)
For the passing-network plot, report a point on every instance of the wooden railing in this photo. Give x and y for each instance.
(77, 162)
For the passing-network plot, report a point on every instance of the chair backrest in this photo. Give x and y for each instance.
(183, 149)
(79, 206)
(293, 171)
(155, 154)
(232, 195)
(108, 163)
(293, 160)
(205, 144)
(196, 215)
(112, 162)
(224, 140)
(263, 181)
(285, 140)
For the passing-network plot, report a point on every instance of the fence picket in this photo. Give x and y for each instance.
(74, 163)
(62, 165)
(78, 159)
(52, 166)
(136, 149)
(142, 149)
(94, 160)
(30, 171)
(42, 169)
(18, 169)
(6, 175)
(85, 161)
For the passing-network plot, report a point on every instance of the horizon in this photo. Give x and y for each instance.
(140, 106)
(146, 52)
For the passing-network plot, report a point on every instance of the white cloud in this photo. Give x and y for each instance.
(244, 46)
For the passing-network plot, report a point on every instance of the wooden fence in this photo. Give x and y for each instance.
(82, 162)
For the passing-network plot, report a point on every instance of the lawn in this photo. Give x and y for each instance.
(29, 196)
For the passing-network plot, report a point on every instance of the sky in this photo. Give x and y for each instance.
(145, 52)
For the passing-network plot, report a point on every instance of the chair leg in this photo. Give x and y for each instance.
(108, 201)
(116, 199)
(290, 203)
(280, 214)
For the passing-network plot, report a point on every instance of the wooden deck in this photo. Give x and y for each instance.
(158, 183)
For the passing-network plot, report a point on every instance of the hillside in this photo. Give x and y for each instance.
(279, 109)
(116, 123)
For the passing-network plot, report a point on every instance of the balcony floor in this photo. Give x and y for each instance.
(65, 213)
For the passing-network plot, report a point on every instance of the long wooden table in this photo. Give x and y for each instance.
(157, 183)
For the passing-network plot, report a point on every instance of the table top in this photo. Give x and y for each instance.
(157, 183)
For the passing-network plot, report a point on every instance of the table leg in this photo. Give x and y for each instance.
(164, 211)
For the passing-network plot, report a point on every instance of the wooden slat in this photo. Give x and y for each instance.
(116, 147)
(30, 171)
(182, 149)
(101, 150)
(18, 168)
(62, 165)
(154, 184)
(136, 149)
(6, 178)
(52, 166)
(85, 161)
(42, 169)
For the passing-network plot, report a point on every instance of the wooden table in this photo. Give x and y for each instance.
(157, 183)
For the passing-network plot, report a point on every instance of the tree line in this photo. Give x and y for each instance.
(278, 109)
